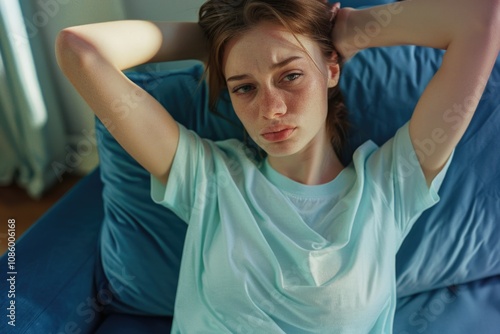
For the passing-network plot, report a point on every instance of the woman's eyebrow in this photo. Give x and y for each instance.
(273, 67)
(285, 62)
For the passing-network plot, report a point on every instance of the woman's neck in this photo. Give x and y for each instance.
(316, 164)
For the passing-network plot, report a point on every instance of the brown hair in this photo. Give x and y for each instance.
(222, 20)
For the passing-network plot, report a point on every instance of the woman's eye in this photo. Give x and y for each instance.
(293, 76)
(242, 89)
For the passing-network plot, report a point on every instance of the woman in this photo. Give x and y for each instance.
(297, 243)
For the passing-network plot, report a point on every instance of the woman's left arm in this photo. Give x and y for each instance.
(468, 30)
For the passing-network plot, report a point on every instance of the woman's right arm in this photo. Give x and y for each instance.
(93, 57)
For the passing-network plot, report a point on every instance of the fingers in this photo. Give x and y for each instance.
(335, 9)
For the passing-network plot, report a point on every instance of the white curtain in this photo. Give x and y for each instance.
(32, 134)
(46, 129)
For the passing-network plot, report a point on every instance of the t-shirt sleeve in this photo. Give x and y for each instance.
(396, 172)
(189, 179)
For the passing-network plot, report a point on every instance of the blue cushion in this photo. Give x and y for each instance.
(127, 324)
(465, 309)
(454, 242)
(457, 240)
(55, 262)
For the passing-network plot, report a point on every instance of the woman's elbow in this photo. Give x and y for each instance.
(73, 51)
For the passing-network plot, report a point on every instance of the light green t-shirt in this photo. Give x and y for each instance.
(265, 254)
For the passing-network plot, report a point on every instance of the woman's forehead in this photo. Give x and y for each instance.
(265, 45)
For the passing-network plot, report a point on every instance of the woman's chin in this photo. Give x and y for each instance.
(280, 150)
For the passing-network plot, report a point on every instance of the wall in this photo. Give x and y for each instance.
(160, 10)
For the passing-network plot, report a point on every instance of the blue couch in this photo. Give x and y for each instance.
(94, 264)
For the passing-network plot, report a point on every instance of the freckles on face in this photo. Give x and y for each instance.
(273, 82)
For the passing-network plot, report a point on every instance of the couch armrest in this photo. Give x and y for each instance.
(54, 261)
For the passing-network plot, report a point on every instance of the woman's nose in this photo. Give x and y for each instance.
(272, 104)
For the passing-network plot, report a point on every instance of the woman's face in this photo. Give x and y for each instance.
(279, 93)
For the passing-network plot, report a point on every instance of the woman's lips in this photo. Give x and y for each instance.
(277, 135)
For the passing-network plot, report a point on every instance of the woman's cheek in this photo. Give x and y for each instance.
(246, 117)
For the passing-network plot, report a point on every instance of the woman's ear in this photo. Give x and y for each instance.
(333, 72)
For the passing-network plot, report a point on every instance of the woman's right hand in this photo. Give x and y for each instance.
(342, 37)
